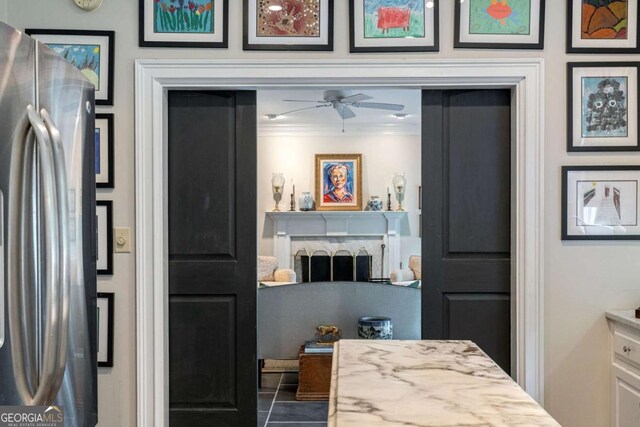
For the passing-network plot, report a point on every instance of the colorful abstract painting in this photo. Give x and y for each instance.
(604, 107)
(604, 19)
(85, 57)
(394, 18)
(288, 18)
(500, 17)
(183, 16)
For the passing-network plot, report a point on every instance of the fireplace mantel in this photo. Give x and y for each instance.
(385, 224)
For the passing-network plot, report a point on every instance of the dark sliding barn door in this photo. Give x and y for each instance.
(466, 137)
(212, 258)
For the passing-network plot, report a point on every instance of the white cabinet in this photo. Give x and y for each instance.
(625, 368)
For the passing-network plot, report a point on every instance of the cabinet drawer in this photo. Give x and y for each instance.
(626, 346)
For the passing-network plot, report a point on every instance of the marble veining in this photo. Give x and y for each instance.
(425, 383)
(626, 317)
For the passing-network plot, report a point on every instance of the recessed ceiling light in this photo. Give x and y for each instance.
(274, 8)
(272, 116)
(400, 116)
(430, 4)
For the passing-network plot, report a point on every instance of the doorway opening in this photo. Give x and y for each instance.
(350, 248)
(156, 78)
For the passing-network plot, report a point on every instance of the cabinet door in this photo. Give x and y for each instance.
(627, 404)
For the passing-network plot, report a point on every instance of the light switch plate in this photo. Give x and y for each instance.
(122, 239)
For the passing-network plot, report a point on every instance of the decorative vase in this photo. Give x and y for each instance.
(305, 202)
(375, 328)
(374, 204)
(399, 187)
(277, 186)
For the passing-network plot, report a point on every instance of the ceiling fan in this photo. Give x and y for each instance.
(342, 103)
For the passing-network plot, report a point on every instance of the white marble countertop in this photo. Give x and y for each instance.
(626, 317)
(425, 383)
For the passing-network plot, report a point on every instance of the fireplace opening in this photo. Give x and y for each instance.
(342, 265)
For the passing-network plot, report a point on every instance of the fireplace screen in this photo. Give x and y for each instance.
(322, 266)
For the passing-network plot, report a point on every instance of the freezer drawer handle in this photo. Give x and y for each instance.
(54, 199)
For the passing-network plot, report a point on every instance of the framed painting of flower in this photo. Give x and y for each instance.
(602, 26)
(499, 24)
(602, 110)
(183, 23)
(288, 25)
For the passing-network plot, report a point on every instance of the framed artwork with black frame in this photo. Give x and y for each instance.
(104, 323)
(104, 221)
(297, 25)
(182, 23)
(600, 202)
(602, 106)
(499, 24)
(104, 150)
(393, 26)
(92, 52)
(602, 26)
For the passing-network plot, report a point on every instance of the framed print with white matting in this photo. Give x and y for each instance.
(288, 25)
(393, 26)
(602, 106)
(600, 202)
(602, 26)
(499, 24)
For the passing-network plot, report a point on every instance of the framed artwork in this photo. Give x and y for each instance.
(602, 26)
(104, 221)
(499, 24)
(104, 150)
(339, 182)
(393, 26)
(602, 110)
(288, 25)
(183, 23)
(92, 52)
(105, 329)
(600, 202)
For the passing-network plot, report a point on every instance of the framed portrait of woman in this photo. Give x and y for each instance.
(339, 182)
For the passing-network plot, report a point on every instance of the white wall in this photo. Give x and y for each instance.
(382, 155)
(582, 280)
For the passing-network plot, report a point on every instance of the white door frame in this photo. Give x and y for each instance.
(153, 78)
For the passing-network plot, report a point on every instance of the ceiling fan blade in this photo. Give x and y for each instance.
(356, 98)
(302, 109)
(344, 111)
(379, 105)
(304, 100)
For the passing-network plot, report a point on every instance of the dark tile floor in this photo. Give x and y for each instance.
(278, 407)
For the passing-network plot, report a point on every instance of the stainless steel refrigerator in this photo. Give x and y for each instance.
(47, 231)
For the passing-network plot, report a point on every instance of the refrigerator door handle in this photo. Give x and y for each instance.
(17, 286)
(62, 190)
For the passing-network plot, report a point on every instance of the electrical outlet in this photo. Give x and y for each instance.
(122, 239)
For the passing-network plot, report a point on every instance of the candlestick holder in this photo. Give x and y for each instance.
(388, 202)
(292, 207)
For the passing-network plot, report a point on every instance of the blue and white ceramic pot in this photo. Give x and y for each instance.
(374, 204)
(375, 328)
(305, 202)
